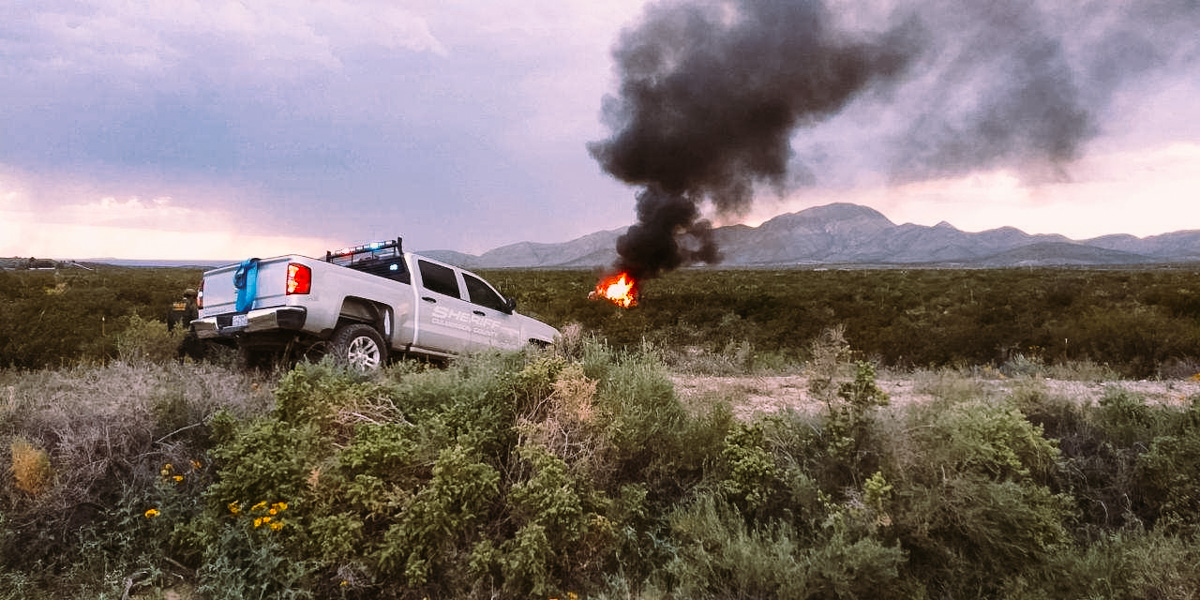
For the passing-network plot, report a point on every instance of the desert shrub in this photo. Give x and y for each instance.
(639, 415)
(848, 428)
(1096, 471)
(952, 386)
(720, 556)
(993, 440)
(952, 528)
(329, 397)
(440, 522)
(1125, 563)
(148, 341)
(550, 521)
(552, 474)
(752, 482)
(30, 467)
(1082, 370)
(117, 438)
(970, 487)
(1167, 476)
(448, 482)
(1124, 417)
(566, 423)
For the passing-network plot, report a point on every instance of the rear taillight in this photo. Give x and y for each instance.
(299, 279)
(200, 295)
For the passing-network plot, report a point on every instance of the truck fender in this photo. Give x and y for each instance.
(375, 314)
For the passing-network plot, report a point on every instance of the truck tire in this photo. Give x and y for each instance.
(359, 346)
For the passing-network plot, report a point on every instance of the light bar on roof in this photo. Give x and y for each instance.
(369, 247)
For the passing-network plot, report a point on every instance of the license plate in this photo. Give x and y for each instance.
(238, 321)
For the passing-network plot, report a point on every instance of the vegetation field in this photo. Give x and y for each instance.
(1142, 323)
(582, 471)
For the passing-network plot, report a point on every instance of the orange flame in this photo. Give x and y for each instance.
(620, 289)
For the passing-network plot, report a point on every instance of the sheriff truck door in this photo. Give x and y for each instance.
(494, 325)
(444, 317)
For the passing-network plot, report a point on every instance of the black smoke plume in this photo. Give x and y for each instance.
(1025, 85)
(710, 94)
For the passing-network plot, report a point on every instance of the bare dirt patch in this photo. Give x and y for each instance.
(752, 395)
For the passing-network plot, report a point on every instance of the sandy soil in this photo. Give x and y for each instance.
(751, 395)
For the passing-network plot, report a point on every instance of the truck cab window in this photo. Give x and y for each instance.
(483, 294)
(393, 269)
(437, 278)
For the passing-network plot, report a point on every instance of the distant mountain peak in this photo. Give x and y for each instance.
(843, 211)
(843, 233)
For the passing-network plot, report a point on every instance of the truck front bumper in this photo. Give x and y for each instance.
(255, 321)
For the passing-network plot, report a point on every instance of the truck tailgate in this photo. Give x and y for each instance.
(220, 293)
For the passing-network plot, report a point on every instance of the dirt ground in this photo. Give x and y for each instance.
(755, 395)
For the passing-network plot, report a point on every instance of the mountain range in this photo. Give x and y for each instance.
(849, 234)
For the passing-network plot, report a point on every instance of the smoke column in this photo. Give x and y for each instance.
(712, 95)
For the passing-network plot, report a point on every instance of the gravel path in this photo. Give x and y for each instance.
(765, 394)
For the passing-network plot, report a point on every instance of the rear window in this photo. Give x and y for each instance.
(437, 278)
(392, 269)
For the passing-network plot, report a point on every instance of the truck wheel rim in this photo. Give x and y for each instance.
(363, 354)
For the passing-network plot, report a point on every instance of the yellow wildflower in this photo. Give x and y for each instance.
(234, 507)
(258, 522)
(150, 514)
(258, 507)
(178, 478)
(196, 465)
(277, 525)
(281, 505)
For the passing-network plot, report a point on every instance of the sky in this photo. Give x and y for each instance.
(223, 129)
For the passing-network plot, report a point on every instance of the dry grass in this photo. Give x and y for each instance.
(30, 466)
(80, 437)
(569, 416)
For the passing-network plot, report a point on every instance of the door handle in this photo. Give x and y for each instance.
(480, 313)
(428, 299)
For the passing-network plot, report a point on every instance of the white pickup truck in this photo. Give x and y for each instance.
(360, 304)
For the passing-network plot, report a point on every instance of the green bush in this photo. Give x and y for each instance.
(554, 474)
(970, 487)
(719, 556)
(1126, 563)
(148, 341)
(1168, 480)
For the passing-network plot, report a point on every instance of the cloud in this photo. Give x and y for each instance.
(82, 219)
(149, 37)
(372, 118)
(78, 242)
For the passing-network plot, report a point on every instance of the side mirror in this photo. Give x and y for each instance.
(510, 304)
